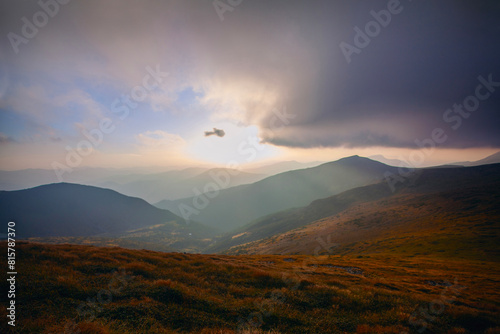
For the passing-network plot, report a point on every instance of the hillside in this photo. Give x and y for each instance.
(283, 166)
(92, 290)
(491, 159)
(282, 222)
(439, 212)
(71, 210)
(231, 208)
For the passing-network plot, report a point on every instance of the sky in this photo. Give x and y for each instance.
(124, 83)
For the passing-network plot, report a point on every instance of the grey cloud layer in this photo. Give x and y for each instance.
(269, 54)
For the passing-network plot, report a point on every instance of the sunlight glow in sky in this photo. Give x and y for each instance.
(161, 73)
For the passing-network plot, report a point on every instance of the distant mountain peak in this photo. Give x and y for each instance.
(491, 159)
(69, 209)
(354, 160)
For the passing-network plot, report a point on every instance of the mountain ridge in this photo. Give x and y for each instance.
(67, 209)
(424, 182)
(230, 208)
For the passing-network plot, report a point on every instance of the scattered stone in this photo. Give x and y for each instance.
(351, 270)
(438, 283)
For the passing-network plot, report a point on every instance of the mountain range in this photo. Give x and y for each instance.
(234, 207)
(284, 213)
(152, 186)
(491, 159)
(72, 210)
(178, 184)
(440, 210)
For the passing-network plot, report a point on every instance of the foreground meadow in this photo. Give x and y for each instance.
(87, 289)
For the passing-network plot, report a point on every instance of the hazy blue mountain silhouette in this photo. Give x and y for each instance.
(237, 206)
(65, 209)
(459, 182)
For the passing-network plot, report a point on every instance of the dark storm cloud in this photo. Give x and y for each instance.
(396, 87)
(215, 132)
(399, 87)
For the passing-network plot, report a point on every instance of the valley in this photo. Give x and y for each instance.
(421, 256)
(249, 167)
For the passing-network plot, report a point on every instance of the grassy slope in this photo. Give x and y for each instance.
(425, 256)
(442, 196)
(126, 291)
(166, 237)
(282, 222)
(445, 224)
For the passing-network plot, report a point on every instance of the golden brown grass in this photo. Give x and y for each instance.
(88, 289)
